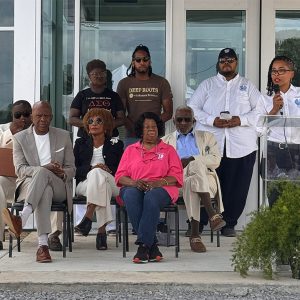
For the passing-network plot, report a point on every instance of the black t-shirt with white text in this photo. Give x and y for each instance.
(87, 99)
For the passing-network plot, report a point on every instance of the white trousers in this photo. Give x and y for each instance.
(197, 179)
(7, 193)
(98, 188)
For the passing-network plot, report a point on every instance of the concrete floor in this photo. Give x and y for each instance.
(88, 265)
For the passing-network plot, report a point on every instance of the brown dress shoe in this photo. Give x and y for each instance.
(217, 222)
(43, 255)
(14, 223)
(197, 244)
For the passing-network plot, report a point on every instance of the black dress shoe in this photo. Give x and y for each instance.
(228, 231)
(101, 241)
(84, 227)
(54, 243)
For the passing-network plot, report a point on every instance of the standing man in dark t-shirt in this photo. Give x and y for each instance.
(142, 91)
(98, 95)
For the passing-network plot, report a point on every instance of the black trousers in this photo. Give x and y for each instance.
(235, 177)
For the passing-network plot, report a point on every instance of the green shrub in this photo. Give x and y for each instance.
(273, 234)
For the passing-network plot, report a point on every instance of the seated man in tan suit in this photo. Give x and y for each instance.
(44, 163)
(200, 157)
(21, 119)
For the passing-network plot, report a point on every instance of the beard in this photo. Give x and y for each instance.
(228, 73)
(142, 70)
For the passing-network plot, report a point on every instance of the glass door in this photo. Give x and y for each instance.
(207, 33)
(201, 30)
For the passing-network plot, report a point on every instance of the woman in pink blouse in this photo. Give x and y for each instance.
(150, 173)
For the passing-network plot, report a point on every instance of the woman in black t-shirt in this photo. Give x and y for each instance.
(96, 96)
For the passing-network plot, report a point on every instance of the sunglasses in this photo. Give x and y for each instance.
(99, 74)
(97, 121)
(181, 119)
(226, 60)
(139, 59)
(18, 114)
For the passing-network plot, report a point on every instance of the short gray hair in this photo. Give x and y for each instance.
(184, 107)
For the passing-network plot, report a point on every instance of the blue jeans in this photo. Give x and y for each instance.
(143, 210)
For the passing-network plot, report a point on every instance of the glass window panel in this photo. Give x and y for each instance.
(287, 38)
(6, 74)
(6, 13)
(207, 33)
(110, 30)
(57, 57)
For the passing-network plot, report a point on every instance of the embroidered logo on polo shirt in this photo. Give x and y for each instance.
(243, 87)
(297, 102)
(160, 156)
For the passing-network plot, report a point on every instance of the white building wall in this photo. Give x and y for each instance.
(25, 46)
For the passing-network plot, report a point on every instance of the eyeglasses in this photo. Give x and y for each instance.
(185, 119)
(139, 59)
(99, 74)
(97, 121)
(280, 71)
(226, 60)
(18, 114)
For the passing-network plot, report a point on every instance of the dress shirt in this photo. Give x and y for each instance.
(291, 108)
(186, 145)
(238, 96)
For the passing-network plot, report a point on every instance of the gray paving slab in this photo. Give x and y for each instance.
(88, 265)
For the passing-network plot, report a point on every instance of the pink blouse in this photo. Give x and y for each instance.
(159, 162)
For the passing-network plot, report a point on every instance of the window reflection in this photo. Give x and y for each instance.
(57, 70)
(207, 33)
(287, 37)
(6, 13)
(110, 31)
(6, 74)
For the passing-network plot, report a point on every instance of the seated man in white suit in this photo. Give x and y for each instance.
(200, 156)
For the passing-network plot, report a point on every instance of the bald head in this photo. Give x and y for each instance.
(42, 103)
(41, 117)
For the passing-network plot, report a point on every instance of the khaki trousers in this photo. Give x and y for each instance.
(197, 179)
(7, 192)
(39, 191)
(98, 188)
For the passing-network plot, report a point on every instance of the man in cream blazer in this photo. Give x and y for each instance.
(21, 119)
(44, 163)
(200, 156)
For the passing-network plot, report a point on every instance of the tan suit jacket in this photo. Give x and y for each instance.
(209, 154)
(26, 158)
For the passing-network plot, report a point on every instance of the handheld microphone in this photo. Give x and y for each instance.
(276, 90)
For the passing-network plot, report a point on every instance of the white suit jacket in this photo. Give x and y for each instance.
(209, 154)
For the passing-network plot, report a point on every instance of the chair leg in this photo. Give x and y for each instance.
(123, 220)
(117, 225)
(126, 231)
(168, 229)
(218, 238)
(72, 225)
(18, 239)
(10, 247)
(211, 236)
(69, 232)
(64, 235)
(177, 249)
